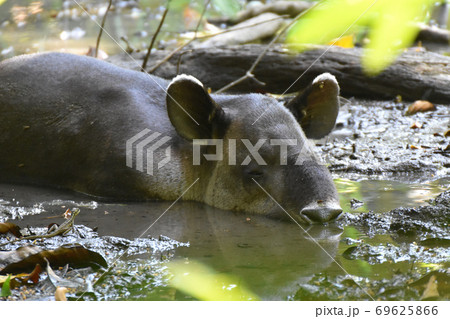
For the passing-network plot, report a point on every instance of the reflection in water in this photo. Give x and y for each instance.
(271, 257)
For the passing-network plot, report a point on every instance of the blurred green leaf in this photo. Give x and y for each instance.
(227, 7)
(178, 4)
(392, 26)
(2, 1)
(6, 290)
(393, 30)
(201, 282)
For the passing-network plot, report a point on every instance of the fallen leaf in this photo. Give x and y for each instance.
(437, 134)
(35, 274)
(431, 290)
(10, 228)
(441, 282)
(58, 281)
(75, 255)
(416, 125)
(414, 147)
(343, 42)
(60, 294)
(10, 257)
(13, 281)
(420, 106)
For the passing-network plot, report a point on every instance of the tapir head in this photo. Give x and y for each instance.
(252, 151)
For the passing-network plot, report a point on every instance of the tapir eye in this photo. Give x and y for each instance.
(255, 173)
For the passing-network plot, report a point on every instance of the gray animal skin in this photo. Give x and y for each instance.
(66, 119)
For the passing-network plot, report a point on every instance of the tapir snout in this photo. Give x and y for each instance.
(319, 212)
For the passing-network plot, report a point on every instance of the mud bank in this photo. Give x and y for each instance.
(377, 139)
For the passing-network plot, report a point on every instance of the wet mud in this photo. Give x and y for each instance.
(379, 140)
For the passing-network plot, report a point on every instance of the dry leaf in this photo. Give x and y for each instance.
(4, 278)
(344, 42)
(420, 106)
(60, 294)
(35, 274)
(431, 290)
(10, 228)
(25, 259)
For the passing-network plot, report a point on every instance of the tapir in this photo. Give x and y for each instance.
(79, 123)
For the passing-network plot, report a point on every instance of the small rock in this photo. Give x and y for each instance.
(355, 203)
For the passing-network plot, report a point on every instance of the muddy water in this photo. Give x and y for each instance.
(271, 257)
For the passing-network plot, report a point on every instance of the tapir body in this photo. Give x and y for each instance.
(69, 121)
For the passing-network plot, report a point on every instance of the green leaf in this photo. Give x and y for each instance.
(2, 1)
(203, 283)
(6, 291)
(178, 4)
(392, 24)
(227, 7)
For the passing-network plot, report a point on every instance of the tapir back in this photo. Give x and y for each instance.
(65, 121)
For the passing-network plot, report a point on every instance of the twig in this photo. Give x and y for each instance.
(179, 59)
(201, 18)
(249, 73)
(144, 64)
(97, 45)
(167, 58)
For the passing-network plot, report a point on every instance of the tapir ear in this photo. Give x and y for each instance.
(191, 109)
(317, 107)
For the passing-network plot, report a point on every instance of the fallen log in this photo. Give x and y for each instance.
(281, 8)
(414, 76)
(429, 34)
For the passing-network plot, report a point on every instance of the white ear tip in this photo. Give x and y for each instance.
(185, 77)
(325, 77)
